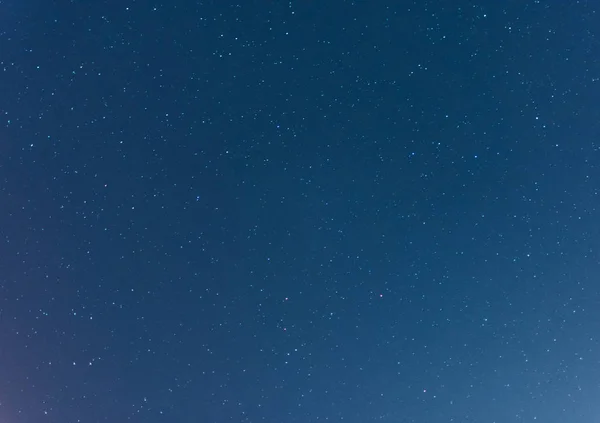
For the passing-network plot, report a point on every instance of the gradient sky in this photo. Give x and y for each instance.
(301, 211)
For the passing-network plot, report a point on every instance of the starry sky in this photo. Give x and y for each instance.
(341, 211)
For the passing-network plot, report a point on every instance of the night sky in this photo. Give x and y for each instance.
(305, 211)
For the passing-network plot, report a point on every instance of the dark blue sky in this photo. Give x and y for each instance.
(299, 211)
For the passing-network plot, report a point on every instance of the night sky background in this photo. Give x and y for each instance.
(341, 211)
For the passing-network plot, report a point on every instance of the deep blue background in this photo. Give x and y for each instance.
(299, 211)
